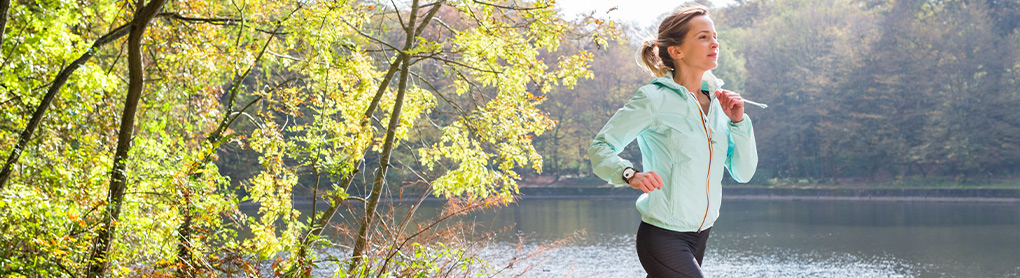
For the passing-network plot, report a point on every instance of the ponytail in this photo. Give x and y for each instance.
(648, 57)
(653, 54)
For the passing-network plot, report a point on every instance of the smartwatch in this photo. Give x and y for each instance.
(628, 173)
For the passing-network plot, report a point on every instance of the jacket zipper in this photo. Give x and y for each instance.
(708, 175)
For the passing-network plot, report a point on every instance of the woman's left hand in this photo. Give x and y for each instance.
(732, 104)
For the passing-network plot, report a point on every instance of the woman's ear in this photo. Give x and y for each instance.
(674, 51)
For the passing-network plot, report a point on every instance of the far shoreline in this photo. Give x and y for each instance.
(956, 195)
(876, 199)
(794, 194)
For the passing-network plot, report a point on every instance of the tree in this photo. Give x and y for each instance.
(136, 84)
(306, 87)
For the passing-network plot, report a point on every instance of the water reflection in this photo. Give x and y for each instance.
(882, 214)
(787, 238)
(773, 238)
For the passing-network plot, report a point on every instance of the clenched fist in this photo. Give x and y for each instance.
(646, 181)
(732, 104)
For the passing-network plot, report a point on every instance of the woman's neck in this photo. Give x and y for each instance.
(690, 79)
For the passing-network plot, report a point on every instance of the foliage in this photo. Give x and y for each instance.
(858, 91)
(250, 106)
(305, 90)
(878, 90)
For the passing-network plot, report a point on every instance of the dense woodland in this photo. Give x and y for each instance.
(921, 92)
(180, 138)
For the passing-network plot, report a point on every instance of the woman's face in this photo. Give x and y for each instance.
(700, 49)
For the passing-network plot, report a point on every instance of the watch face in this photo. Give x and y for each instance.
(628, 173)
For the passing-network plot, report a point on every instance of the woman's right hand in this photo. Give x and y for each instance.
(646, 181)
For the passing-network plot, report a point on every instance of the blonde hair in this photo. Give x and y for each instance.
(653, 53)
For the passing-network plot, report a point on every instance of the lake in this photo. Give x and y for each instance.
(760, 238)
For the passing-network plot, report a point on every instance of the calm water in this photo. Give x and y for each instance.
(778, 238)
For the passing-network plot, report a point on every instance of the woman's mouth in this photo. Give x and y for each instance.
(714, 55)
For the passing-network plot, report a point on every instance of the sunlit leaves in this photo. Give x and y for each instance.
(487, 146)
(574, 67)
(546, 28)
(469, 113)
(474, 176)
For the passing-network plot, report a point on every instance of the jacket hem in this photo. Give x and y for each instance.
(659, 224)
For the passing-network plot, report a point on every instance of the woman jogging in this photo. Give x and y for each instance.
(688, 131)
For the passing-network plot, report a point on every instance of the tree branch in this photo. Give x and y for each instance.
(400, 19)
(407, 220)
(394, 67)
(65, 74)
(215, 136)
(448, 61)
(428, 17)
(430, 226)
(222, 21)
(51, 94)
(7, 58)
(514, 7)
(394, 48)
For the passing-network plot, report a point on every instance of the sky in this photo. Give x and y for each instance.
(642, 12)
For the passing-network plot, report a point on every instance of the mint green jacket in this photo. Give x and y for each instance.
(686, 148)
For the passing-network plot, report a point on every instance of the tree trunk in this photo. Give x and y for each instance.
(396, 65)
(384, 161)
(331, 210)
(5, 8)
(104, 239)
(391, 129)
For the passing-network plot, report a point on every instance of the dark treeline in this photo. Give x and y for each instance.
(867, 91)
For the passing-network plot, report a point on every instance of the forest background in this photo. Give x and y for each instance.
(861, 94)
(169, 138)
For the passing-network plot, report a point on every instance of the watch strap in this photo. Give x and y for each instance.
(624, 175)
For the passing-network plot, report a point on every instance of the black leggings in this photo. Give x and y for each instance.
(665, 253)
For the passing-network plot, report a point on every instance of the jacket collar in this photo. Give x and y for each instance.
(667, 81)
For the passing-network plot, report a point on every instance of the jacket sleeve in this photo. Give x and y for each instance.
(742, 154)
(622, 128)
